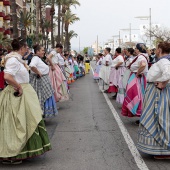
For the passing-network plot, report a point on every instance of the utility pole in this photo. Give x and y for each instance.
(150, 26)
(97, 44)
(150, 23)
(119, 38)
(130, 32)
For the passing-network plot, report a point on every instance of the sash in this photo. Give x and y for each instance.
(136, 59)
(17, 56)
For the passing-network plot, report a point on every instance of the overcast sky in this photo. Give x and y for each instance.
(106, 17)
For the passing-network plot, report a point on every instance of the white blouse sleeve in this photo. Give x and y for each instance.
(164, 66)
(141, 59)
(107, 58)
(12, 66)
(53, 53)
(34, 61)
(120, 59)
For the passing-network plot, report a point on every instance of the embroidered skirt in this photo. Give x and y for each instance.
(45, 94)
(22, 130)
(96, 72)
(154, 129)
(133, 102)
(59, 84)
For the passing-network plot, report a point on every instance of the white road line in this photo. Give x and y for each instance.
(135, 153)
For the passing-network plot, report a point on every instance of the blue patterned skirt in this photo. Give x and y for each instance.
(50, 108)
(154, 129)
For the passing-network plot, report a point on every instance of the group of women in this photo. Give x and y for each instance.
(143, 93)
(31, 94)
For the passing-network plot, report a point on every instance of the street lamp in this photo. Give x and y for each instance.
(150, 22)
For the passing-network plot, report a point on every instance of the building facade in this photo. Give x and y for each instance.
(5, 17)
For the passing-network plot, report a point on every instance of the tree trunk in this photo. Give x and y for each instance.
(14, 18)
(37, 20)
(59, 20)
(66, 38)
(47, 40)
(41, 22)
(52, 24)
(62, 30)
(24, 30)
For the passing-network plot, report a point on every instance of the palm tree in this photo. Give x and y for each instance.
(25, 21)
(66, 4)
(69, 19)
(71, 35)
(59, 2)
(52, 12)
(47, 27)
(14, 18)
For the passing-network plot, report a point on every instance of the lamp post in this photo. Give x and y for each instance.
(150, 23)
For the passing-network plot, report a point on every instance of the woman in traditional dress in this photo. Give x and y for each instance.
(59, 82)
(22, 130)
(68, 70)
(115, 78)
(40, 81)
(76, 68)
(154, 129)
(130, 56)
(98, 66)
(106, 66)
(133, 102)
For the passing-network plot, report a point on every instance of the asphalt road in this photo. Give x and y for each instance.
(86, 136)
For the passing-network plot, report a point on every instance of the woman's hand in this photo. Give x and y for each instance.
(19, 90)
(161, 85)
(139, 75)
(52, 68)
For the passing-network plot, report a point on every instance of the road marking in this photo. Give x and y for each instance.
(135, 153)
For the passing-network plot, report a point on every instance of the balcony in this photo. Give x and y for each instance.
(2, 29)
(6, 3)
(7, 17)
(7, 32)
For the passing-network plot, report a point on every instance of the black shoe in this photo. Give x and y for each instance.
(137, 122)
(106, 91)
(114, 97)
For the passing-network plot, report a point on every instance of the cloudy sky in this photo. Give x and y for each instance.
(106, 17)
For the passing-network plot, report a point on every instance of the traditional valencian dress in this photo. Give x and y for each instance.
(43, 87)
(133, 102)
(22, 130)
(58, 80)
(97, 70)
(154, 128)
(127, 72)
(105, 70)
(115, 78)
(76, 69)
(68, 72)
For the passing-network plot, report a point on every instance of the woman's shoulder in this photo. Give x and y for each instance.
(12, 61)
(163, 61)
